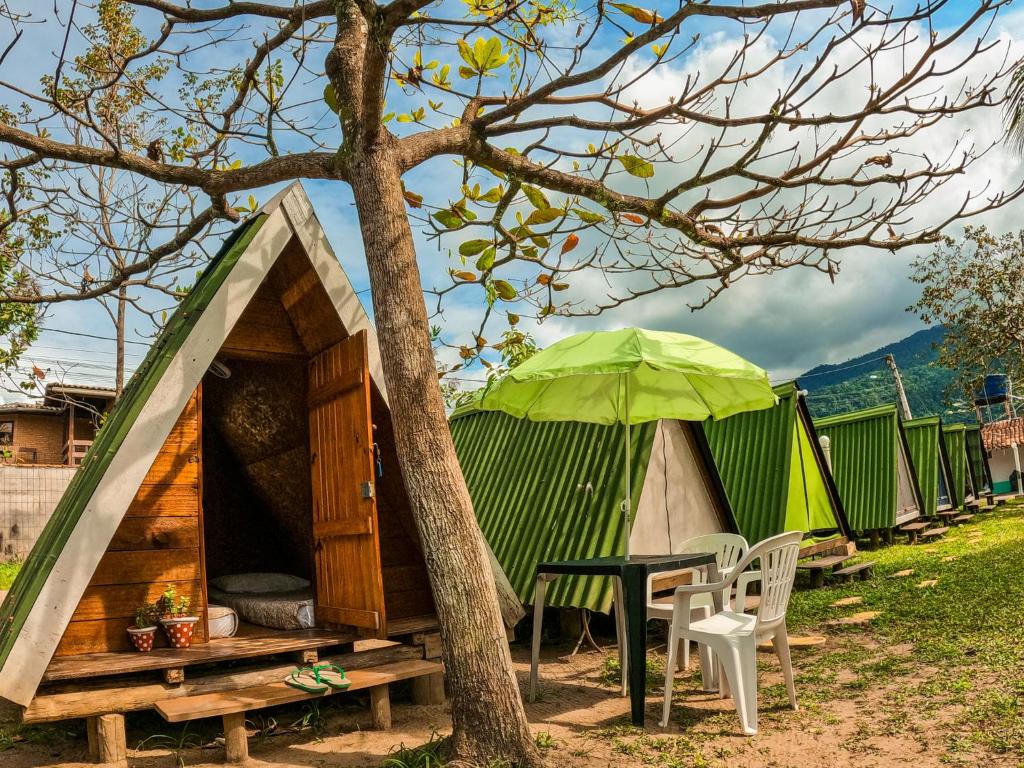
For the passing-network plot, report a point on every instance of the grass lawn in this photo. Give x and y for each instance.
(935, 680)
(937, 676)
(7, 573)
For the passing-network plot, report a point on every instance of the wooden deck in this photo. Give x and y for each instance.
(250, 642)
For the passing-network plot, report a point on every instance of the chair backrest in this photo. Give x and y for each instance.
(728, 548)
(778, 556)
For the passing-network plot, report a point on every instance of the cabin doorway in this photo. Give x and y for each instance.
(257, 496)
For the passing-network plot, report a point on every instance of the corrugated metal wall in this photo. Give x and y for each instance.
(923, 439)
(549, 491)
(956, 447)
(864, 464)
(978, 460)
(753, 452)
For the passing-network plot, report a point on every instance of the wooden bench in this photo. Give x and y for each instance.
(232, 705)
(913, 529)
(864, 570)
(817, 568)
(933, 533)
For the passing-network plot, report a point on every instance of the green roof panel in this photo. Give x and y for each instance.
(772, 473)
(549, 491)
(864, 449)
(30, 580)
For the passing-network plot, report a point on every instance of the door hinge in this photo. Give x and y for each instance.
(366, 490)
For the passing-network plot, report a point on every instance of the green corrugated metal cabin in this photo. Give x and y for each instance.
(552, 491)
(981, 473)
(774, 471)
(955, 436)
(244, 442)
(872, 468)
(931, 463)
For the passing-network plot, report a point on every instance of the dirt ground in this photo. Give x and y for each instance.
(579, 720)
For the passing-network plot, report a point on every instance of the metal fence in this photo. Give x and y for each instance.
(28, 496)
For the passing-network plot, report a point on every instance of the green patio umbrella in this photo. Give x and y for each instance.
(630, 376)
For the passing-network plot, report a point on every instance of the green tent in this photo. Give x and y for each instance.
(552, 491)
(955, 436)
(872, 468)
(931, 463)
(775, 472)
(981, 473)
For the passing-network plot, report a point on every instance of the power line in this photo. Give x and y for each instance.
(94, 336)
(837, 370)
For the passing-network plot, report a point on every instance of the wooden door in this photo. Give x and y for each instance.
(349, 587)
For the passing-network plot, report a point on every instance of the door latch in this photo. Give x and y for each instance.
(366, 490)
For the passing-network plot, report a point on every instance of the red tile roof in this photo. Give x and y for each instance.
(1003, 434)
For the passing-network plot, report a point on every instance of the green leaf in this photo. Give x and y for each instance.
(473, 247)
(636, 166)
(492, 195)
(252, 203)
(505, 291)
(536, 198)
(486, 260)
(543, 216)
(588, 216)
(467, 54)
(403, 118)
(448, 219)
(466, 73)
(331, 98)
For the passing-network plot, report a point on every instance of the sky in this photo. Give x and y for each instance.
(786, 322)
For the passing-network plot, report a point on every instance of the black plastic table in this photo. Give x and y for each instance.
(632, 576)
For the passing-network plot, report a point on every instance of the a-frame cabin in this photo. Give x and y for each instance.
(255, 437)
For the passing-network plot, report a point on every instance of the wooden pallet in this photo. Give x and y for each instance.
(232, 705)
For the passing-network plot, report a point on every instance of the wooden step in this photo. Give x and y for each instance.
(818, 567)
(960, 519)
(948, 514)
(823, 563)
(864, 570)
(913, 529)
(273, 694)
(933, 533)
(917, 526)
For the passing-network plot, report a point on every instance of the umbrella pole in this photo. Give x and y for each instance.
(627, 503)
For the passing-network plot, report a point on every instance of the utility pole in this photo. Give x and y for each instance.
(904, 405)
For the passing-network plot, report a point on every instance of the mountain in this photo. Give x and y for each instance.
(866, 381)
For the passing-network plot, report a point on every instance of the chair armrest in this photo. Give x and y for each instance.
(745, 578)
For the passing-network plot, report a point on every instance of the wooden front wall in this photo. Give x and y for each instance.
(159, 542)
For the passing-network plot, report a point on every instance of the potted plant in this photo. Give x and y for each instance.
(143, 632)
(178, 624)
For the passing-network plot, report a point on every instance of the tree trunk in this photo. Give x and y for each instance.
(489, 722)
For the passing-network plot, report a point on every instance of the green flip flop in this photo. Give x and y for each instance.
(332, 675)
(305, 679)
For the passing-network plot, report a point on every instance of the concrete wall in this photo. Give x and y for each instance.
(1004, 473)
(28, 496)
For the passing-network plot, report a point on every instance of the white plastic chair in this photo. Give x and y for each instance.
(733, 635)
(728, 549)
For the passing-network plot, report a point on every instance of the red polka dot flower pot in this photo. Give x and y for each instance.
(179, 630)
(142, 637)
